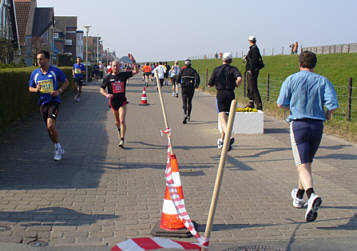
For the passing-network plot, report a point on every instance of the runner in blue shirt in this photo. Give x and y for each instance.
(78, 75)
(45, 81)
(307, 95)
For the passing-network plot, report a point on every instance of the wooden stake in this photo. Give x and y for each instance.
(162, 106)
(222, 162)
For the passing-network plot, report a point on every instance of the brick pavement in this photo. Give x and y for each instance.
(100, 194)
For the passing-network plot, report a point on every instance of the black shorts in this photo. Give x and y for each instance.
(78, 81)
(305, 136)
(224, 100)
(115, 104)
(49, 110)
(147, 73)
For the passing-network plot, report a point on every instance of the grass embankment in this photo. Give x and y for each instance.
(338, 68)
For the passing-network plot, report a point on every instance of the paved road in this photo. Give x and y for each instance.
(100, 194)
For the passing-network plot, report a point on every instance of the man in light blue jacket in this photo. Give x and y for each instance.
(311, 99)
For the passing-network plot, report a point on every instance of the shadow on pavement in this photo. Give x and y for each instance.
(153, 146)
(234, 164)
(53, 216)
(161, 166)
(350, 225)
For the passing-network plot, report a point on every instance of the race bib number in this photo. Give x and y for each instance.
(46, 86)
(77, 71)
(118, 87)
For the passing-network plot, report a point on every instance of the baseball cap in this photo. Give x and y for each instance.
(252, 38)
(227, 55)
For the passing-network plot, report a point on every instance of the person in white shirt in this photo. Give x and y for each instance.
(161, 70)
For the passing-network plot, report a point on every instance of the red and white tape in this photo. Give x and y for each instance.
(140, 244)
(178, 202)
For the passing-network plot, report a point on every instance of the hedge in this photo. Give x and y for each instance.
(16, 102)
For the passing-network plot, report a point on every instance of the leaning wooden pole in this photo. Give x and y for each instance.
(222, 162)
(163, 106)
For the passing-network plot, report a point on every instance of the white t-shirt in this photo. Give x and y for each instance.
(161, 70)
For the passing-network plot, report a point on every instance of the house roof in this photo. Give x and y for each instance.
(62, 22)
(24, 16)
(44, 18)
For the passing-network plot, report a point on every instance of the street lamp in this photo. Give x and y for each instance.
(97, 49)
(107, 56)
(87, 30)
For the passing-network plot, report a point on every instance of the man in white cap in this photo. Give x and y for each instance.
(226, 78)
(254, 63)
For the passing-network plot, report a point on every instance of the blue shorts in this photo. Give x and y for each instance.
(305, 136)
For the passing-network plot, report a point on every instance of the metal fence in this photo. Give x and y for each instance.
(325, 49)
(269, 88)
(333, 49)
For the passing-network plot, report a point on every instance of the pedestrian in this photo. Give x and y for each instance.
(161, 70)
(115, 82)
(226, 78)
(254, 63)
(45, 81)
(147, 73)
(189, 80)
(307, 95)
(166, 75)
(174, 72)
(78, 72)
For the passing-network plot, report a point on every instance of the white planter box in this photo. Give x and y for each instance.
(247, 123)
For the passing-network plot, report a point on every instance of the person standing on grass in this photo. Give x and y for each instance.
(254, 63)
(115, 82)
(78, 72)
(307, 94)
(226, 78)
(45, 81)
(189, 80)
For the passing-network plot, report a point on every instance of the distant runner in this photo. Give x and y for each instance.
(307, 95)
(45, 81)
(78, 72)
(174, 72)
(147, 73)
(115, 82)
(189, 80)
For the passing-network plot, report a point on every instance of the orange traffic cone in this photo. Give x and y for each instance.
(170, 224)
(144, 98)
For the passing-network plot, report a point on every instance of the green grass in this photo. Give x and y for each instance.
(338, 68)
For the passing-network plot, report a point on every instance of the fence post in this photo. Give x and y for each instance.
(268, 87)
(349, 108)
(272, 51)
(263, 52)
(348, 48)
(245, 84)
(206, 77)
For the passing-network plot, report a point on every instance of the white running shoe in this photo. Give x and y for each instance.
(297, 203)
(59, 151)
(121, 143)
(313, 205)
(173, 94)
(220, 143)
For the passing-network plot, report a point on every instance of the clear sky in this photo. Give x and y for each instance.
(166, 30)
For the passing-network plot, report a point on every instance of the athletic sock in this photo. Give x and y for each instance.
(309, 192)
(300, 193)
(122, 139)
